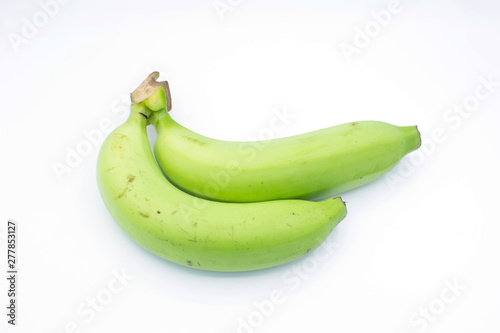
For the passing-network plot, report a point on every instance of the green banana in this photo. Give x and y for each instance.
(195, 232)
(311, 165)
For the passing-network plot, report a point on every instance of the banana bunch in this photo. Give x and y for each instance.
(252, 229)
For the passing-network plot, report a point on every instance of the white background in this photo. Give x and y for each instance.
(423, 239)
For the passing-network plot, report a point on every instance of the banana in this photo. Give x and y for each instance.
(195, 232)
(310, 166)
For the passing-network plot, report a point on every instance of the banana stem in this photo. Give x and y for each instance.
(156, 117)
(149, 88)
(139, 112)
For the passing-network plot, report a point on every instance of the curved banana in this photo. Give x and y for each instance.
(311, 165)
(195, 232)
